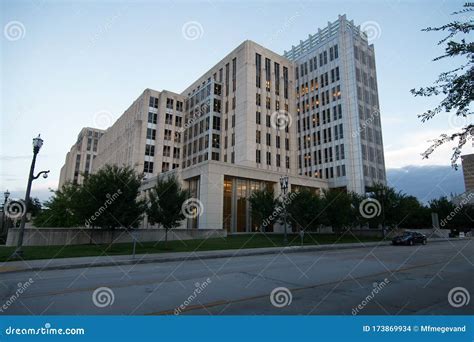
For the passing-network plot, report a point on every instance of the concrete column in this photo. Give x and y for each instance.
(212, 197)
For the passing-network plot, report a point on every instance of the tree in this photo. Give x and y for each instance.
(109, 198)
(443, 207)
(166, 202)
(338, 209)
(265, 208)
(34, 206)
(413, 214)
(389, 202)
(304, 210)
(455, 85)
(61, 209)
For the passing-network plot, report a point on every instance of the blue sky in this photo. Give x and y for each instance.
(82, 63)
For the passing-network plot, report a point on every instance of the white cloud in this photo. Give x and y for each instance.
(410, 146)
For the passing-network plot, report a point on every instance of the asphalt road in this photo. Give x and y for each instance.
(385, 280)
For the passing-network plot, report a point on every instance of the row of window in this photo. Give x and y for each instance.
(153, 102)
(370, 171)
(302, 70)
(153, 119)
(327, 137)
(165, 166)
(258, 139)
(317, 156)
(150, 151)
(312, 103)
(258, 159)
(364, 57)
(151, 134)
(328, 172)
(268, 75)
(305, 123)
(372, 154)
(92, 144)
(366, 79)
(314, 85)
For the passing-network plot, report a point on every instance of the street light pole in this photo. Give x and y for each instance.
(37, 143)
(383, 213)
(4, 216)
(284, 188)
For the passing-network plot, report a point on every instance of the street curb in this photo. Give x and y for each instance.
(217, 255)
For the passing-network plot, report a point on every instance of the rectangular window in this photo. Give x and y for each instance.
(148, 167)
(227, 79)
(268, 74)
(258, 156)
(258, 69)
(216, 123)
(149, 150)
(151, 133)
(152, 118)
(153, 102)
(169, 119)
(285, 82)
(166, 151)
(234, 74)
(269, 158)
(169, 103)
(277, 78)
(215, 141)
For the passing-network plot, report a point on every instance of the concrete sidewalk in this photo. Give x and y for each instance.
(102, 261)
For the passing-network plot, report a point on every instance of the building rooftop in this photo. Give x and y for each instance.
(315, 40)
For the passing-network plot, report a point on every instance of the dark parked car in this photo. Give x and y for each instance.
(409, 238)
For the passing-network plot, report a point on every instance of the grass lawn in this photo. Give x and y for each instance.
(230, 242)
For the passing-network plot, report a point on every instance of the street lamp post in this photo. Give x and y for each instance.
(383, 212)
(37, 143)
(6, 194)
(284, 188)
